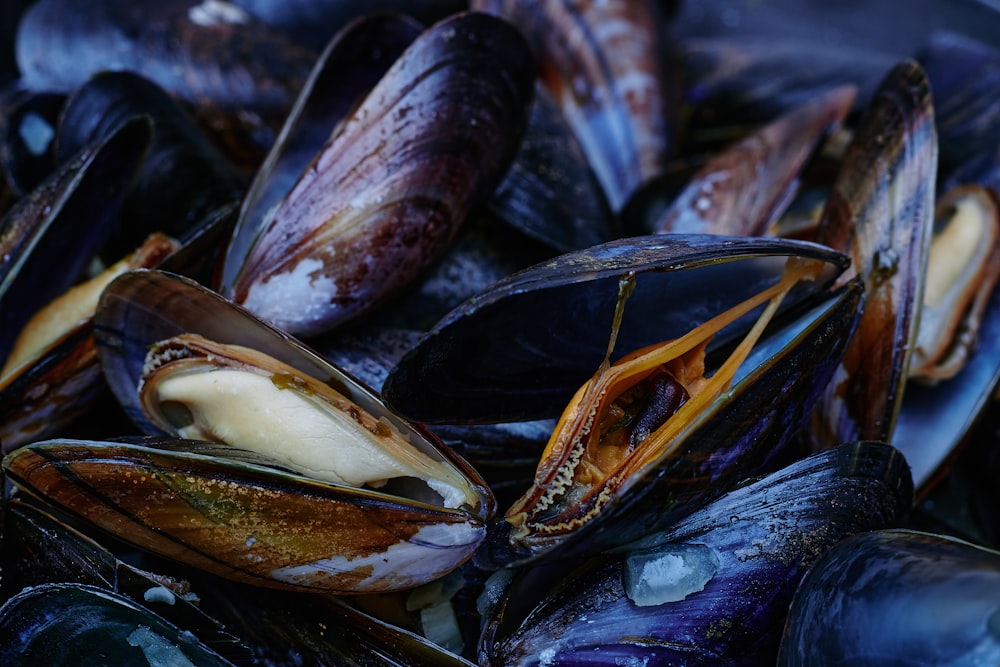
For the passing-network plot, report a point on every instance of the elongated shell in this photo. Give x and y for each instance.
(387, 193)
(881, 212)
(141, 308)
(713, 589)
(248, 522)
(743, 189)
(897, 597)
(347, 69)
(55, 624)
(602, 62)
(520, 349)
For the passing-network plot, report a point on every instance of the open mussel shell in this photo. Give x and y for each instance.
(712, 589)
(667, 476)
(897, 597)
(244, 520)
(520, 349)
(390, 189)
(64, 624)
(141, 308)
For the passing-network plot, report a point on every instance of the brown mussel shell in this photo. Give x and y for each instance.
(247, 521)
(746, 187)
(143, 307)
(881, 213)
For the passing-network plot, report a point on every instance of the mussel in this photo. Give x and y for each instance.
(387, 192)
(641, 440)
(897, 597)
(234, 512)
(712, 589)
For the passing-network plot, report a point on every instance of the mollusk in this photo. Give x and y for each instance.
(388, 191)
(247, 519)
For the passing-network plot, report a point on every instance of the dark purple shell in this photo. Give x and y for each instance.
(743, 555)
(897, 598)
(48, 238)
(388, 192)
(210, 53)
(349, 67)
(520, 349)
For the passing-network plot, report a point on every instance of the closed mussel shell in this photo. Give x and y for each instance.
(347, 69)
(713, 589)
(897, 597)
(881, 212)
(60, 624)
(388, 192)
(603, 65)
(208, 53)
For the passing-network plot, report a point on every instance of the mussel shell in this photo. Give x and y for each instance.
(881, 212)
(388, 192)
(736, 436)
(42, 548)
(205, 53)
(49, 236)
(246, 521)
(897, 597)
(550, 192)
(520, 349)
(602, 62)
(747, 186)
(763, 536)
(59, 624)
(350, 65)
(184, 177)
(143, 307)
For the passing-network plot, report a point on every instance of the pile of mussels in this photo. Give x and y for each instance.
(497, 333)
